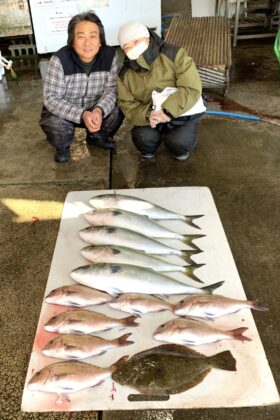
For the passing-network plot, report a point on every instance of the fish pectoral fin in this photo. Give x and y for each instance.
(115, 292)
(77, 305)
(98, 383)
(73, 321)
(67, 347)
(71, 292)
(115, 268)
(137, 313)
(189, 342)
(161, 297)
(72, 357)
(209, 316)
(62, 398)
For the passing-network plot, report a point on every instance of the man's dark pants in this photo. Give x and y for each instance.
(60, 132)
(179, 136)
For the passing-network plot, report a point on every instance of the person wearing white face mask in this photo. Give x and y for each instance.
(159, 92)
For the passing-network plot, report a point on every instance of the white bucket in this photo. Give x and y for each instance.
(2, 68)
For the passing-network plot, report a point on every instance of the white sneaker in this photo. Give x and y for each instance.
(148, 156)
(182, 157)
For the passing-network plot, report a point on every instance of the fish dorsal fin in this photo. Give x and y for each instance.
(181, 350)
(171, 349)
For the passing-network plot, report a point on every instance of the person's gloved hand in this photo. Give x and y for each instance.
(158, 117)
(93, 119)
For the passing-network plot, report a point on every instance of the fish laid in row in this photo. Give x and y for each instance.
(86, 322)
(169, 369)
(132, 221)
(214, 306)
(137, 304)
(116, 279)
(105, 235)
(77, 295)
(66, 377)
(77, 346)
(121, 255)
(193, 332)
(139, 206)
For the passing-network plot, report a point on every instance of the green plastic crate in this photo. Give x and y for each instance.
(277, 46)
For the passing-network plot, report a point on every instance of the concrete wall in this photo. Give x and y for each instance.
(172, 6)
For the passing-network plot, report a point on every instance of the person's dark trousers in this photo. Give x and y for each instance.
(60, 132)
(110, 125)
(179, 136)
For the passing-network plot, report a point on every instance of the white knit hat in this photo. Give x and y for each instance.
(130, 31)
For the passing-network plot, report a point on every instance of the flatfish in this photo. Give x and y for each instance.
(170, 369)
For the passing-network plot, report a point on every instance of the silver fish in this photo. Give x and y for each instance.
(137, 304)
(210, 307)
(106, 235)
(85, 322)
(132, 221)
(116, 278)
(77, 295)
(66, 377)
(121, 255)
(77, 346)
(193, 332)
(139, 206)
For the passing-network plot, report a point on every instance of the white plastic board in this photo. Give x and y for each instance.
(50, 18)
(219, 388)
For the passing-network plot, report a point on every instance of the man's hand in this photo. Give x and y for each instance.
(157, 117)
(93, 119)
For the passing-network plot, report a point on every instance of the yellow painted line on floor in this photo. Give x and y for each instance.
(33, 210)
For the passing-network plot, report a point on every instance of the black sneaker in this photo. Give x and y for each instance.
(103, 142)
(63, 155)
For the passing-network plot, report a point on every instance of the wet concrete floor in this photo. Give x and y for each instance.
(238, 160)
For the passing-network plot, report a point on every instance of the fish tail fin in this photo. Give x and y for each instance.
(237, 333)
(189, 220)
(130, 321)
(189, 270)
(223, 360)
(188, 240)
(123, 340)
(187, 254)
(258, 305)
(210, 289)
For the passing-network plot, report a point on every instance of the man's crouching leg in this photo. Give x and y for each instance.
(60, 134)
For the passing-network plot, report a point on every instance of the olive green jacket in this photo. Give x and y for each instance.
(161, 65)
